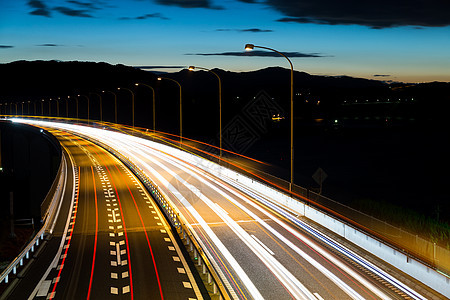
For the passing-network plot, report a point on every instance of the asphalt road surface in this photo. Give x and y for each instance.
(110, 240)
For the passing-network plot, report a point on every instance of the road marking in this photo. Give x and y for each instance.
(175, 258)
(318, 296)
(118, 254)
(171, 248)
(261, 243)
(187, 285)
(181, 270)
(126, 289)
(43, 289)
(167, 240)
(163, 230)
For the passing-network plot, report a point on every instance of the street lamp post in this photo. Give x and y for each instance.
(42, 107)
(132, 101)
(192, 68)
(21, 112)
(115, 105)
(76, 101)
(249, 47)
(57, 106)
(181, 106)
(49, 107)
(87, 107)
(67, 106)
(100, 97)
(154, 106)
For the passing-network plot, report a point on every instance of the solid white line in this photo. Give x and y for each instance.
(261, 243)
(54, 263)
(318, 296)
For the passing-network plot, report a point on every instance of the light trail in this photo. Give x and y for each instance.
(147, 154)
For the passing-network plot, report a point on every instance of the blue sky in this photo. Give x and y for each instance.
(385, 40)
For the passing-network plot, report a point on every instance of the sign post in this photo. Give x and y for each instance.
(319, 176)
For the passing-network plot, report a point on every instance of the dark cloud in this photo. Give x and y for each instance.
(189, 3)
(374, 14)
(73, 12)
(86, 5)
(39, 8)
(255, 30)
(259, 53)
(146, 16)
(381, 75)
(6, 46)
(82, 9)
(49, 45)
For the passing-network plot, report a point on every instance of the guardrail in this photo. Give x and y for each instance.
(211, 278)
(52, 199)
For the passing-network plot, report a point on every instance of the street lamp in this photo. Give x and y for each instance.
(42, 107)
(132, 101)
(67, 106)
(76, 101)
(88, 105)
(250, 47)
(154, 106)
(101, 114)
(57, 106)
(181, 106)
(192, 68)
(115, 105)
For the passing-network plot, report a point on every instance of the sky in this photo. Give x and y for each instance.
(391, 40)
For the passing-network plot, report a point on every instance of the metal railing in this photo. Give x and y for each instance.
(51, 199)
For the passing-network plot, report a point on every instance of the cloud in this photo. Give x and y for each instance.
(259, 53)
(189, 3)
(49, 45)
(375, 14)
(146, 16)
(73, 12)
(255, 30)
(40, 9)
(381, 75)
(86, 5)
(6, 46)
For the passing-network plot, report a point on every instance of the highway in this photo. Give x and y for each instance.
(259, 251)
(110, 239)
